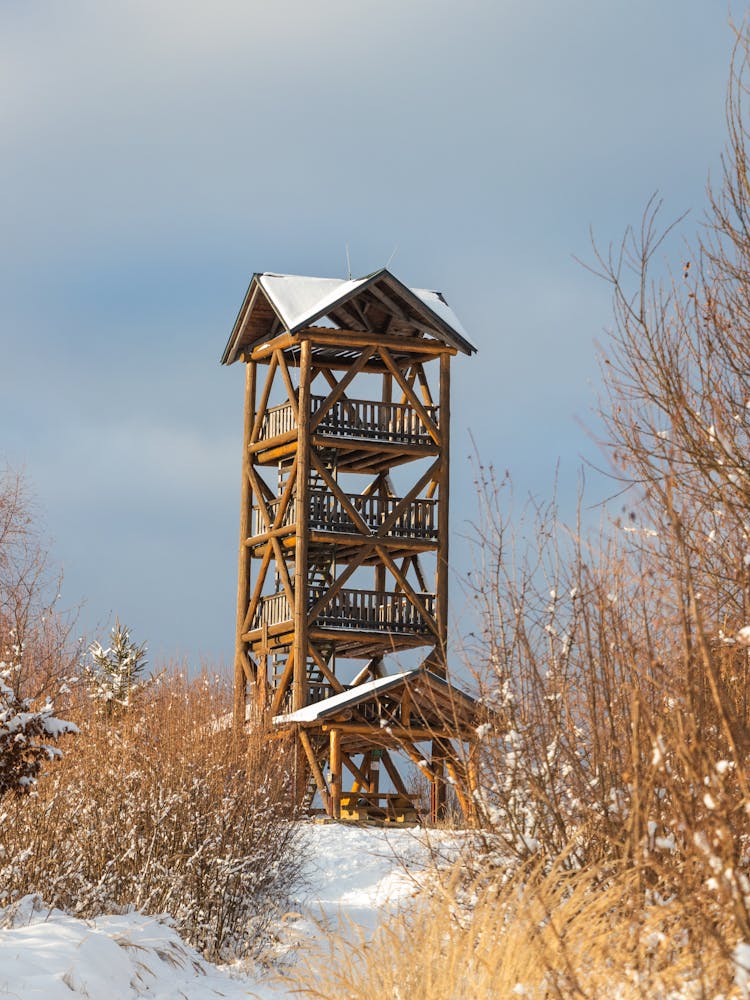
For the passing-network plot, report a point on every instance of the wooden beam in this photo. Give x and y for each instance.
(257, 590)
(408, 590)
(381, 447)
(411, 396)
(332, 679)
(352, 767)
(339, 391)
(356, 338)
(278, 695)
(393, 731)
(425, 385)
(275, 443)
(342, 498)
(261, 412)
(392, 772)
(320, 781)
(290, 390)
(245, 558)
(264, 351)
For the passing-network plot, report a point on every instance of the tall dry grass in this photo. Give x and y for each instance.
(544, 933)
(161, 808)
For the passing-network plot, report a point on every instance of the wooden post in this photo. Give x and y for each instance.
(299, 684)
(382, 489)
(438, 786)
(241, 663)
(443, 511)
(335, 765)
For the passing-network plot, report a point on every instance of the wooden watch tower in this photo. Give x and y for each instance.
(343, 556)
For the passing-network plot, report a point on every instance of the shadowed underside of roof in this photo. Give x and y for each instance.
(435, 705)
(376, 304)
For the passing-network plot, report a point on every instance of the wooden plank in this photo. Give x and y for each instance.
(244, 559)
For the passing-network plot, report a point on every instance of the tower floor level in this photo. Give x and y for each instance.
(343, 550)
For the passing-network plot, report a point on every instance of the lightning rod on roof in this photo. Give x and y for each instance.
(393, 254)
(348, 264)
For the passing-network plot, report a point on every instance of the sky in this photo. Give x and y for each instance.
(153, 155)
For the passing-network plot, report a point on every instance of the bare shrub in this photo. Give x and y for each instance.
(35, 654)
(163, 809)
(617, 670)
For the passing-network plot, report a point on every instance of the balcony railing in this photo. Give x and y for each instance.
(327, 513)
(359, 419)
(366, 610)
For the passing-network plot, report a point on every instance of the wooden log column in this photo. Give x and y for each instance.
(336, 777)
(299, 684)
(438, 786)
(302, 488)
(241, 661)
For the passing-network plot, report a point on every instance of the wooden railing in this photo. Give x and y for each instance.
(368, 610)
(361, 419)
(327, 513)
(277, 420)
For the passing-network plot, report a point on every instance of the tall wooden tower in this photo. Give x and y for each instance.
(343, 556)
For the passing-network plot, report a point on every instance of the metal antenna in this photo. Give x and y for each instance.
(348, 263)
(393, 254)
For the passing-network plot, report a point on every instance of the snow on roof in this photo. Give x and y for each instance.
(437, 303)
(351, 697)
(299, 299)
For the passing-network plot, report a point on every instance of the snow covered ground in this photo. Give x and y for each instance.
(45, 954)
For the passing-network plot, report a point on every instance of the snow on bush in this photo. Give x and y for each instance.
(161, 813)
(26, 736)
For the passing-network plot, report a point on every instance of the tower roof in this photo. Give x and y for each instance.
(276, 303)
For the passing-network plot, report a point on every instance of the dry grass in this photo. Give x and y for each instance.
(160, 809)
(540, 935)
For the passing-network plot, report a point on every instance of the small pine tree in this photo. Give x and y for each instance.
(115, 673)
(26, 736)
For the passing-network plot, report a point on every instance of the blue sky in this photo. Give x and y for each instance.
(155, 154)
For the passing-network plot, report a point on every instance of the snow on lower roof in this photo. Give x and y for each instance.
(351, 697)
